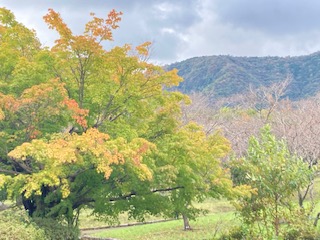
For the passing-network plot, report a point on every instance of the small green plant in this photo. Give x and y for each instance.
(233, 234)
(16, 225)
(276, 175)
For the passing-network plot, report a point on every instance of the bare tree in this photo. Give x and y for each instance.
(266, 98)
(203, 111)
(239, 116)
(299, 124)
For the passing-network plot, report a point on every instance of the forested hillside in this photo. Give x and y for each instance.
(221, 76)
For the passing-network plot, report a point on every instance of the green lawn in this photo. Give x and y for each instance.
(89, 221)
(205, 227)
(220, 217)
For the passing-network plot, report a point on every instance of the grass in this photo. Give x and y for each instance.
(89, 221)
(205, 227)
(221, 216)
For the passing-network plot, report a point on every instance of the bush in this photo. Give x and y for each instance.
(301, 230)
(300, 225)
(57, 231)
(296, 234)
(236, 233)
(16, 225)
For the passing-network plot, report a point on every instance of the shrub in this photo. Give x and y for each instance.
(300, 225)
(55, 230)
(16, 225)
(235, 233)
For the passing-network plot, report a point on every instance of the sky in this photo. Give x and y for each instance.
(182, 29)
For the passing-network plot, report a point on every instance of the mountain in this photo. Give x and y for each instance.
(222, 76)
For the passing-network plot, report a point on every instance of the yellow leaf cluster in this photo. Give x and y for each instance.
(62, 155)
(2, 116)
(144, 173)
(34, 182)
(65, 190)
(3, 180)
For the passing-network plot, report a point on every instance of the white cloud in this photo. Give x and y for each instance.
(165, 9)
(167, 30)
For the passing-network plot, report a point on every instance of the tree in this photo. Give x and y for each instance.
(103, 134)
(276, 175)
(195, 160)
(266, 99)
(298, 123)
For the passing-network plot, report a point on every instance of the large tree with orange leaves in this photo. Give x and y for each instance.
(82, 126)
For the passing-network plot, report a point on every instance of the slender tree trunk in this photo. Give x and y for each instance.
(186, 222)
(276, 220)
(302, 194)
(315, 223)
(276, 225)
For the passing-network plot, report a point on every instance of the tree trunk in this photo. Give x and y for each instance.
(276, 220)
(302, 194)
(186, 222)
(315, 223)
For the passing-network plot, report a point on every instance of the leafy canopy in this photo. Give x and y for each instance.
(82, 126)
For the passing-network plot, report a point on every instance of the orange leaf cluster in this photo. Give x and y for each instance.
(54, 20)
(98, 29)
(8, 103)
(143, 49)
(138, 154)
(78, 113)
(102, 28)
(38, 104)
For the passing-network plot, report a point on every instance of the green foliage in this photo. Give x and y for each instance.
(300, 226)
(190, 161)
(15, 224)
(55, 230)
(19, 45)
(235, 233)
(275, 175)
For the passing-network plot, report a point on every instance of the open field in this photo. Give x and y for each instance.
(205, 227)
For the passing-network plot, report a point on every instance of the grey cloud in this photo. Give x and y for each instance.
(232, 27)
(270, 16)
(186, 28)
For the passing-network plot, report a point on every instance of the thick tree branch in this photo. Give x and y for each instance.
(133, 193)
(9, 171)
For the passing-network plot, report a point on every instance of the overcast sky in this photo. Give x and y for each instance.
(181, 29)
